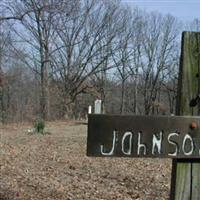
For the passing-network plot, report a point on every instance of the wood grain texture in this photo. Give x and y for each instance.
(186, 175)
(182, 177)
(132, 131)
(196, 181)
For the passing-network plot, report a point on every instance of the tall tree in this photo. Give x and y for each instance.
(82, 47)
(37, 33)
(159, 42)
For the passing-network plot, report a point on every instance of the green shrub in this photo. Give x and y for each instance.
(39, 126)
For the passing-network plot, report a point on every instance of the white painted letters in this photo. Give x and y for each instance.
(172, 142)
(189, 138)
(177, 144)
(157, 142)
(141, 146)
(130, 135)
(113, 146)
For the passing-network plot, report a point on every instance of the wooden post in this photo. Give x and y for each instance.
(185, 184)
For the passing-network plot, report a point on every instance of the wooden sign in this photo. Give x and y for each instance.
(143, 136)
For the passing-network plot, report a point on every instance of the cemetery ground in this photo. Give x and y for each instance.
(55, 167)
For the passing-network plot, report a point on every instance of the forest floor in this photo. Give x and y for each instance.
(55, 167)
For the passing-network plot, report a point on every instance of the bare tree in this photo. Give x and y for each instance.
(194, 25)
(5, 44)
(159, 43)
(122, 59)
(37, 34)
(82, 47)
(81, 50)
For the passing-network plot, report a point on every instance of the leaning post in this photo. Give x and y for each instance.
(185, 184)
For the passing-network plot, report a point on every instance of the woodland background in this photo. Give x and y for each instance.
(58, 56)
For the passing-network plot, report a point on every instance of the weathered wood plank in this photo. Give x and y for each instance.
(195, 181)
(143, 136)
(185, 180)
(183, 174)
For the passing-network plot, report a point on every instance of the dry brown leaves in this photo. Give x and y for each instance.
(55, 167)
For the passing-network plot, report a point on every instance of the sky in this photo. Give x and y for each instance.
(185, 10)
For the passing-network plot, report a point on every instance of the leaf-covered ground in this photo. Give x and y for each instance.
(55, 167)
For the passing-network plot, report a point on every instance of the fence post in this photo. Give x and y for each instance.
(185, 184)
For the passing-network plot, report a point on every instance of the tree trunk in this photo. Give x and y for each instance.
(122, 97)
(135, 93)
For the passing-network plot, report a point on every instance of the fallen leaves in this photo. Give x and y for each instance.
(55, 167)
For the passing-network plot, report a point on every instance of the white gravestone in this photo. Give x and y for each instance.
(90, 110)
(97, 106)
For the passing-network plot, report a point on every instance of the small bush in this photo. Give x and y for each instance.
(39, 126)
